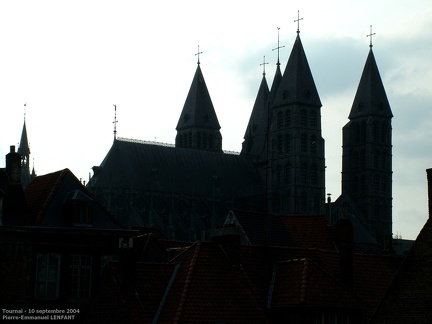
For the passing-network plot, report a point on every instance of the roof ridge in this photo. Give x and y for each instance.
(187, 282)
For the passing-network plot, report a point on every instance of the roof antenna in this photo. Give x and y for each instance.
(298, 21)
(278, 47)
(370, 35)
(115, 121)
(198, 54)
(264, 64)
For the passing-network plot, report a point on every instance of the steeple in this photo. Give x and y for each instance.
(24, 151)
(198, 126)
(254, 138)
(296, 172)
(371, 98)
(367, 153)
(297, 85)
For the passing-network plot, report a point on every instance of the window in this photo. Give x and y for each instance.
(313, 119)
(287, 173)
(314, 174)
(303, 142)
(278, 174)
(303, 117)
(81, 212)
(47, 276)
(279, 144)
(279, 120)
(80, 276)
(303, 173)
(288, 143)
(313, 144)
(288, 118)
(376, 158)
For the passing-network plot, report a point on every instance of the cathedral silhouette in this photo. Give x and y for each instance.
(187, 189)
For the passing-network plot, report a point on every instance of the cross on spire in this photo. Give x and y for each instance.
(278, 48)
(298, 21)
(370, 35)
(198, 54)
(264, 64)
(115, 121)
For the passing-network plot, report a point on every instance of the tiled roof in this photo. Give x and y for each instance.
(46, 195)
(409, 298)
(302, 282)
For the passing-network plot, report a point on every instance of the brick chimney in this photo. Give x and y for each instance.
(13, 166)
(429, 185)
(228, 238)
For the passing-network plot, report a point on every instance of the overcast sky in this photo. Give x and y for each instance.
(70, 61)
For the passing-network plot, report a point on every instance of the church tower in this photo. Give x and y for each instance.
(198, 127)
(24, 151)
(367, 153)
(296, 170)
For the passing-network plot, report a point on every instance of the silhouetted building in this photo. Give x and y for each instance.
(187, 189)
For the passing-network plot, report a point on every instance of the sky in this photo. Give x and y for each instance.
(69, 62)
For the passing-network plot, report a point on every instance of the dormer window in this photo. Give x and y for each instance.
(78, 208)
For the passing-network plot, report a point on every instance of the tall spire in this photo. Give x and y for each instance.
(24, 151)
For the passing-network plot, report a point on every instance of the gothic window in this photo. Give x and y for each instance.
(303, 172)
(363, 184)
(288, 118)
(204, 139)
(199, 140)
(313, 119)
(356, 133)
(363, 132)
(363, 159)
(383, 185)
(47, 276)
(377, 209)
(376, 158)
(210, 141)
(384, 132)
(384, 160)
(279, 144)
(80, 268)
(356, 160)
(376, 181)
(356, 185)
(375, 132)
(287, 143)
(313, 144)
(287, 173)
(303, 117)
(278, 174)
(314, 174)
(189, 139)
(303, 145)
(279, 120)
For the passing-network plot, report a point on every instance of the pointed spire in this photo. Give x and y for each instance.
(370, 98)
(24, 148)
(254, 137)
(297, 84)
(198, 110)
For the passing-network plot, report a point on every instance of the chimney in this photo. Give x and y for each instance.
(228, 238)
(344, 239)
(13, 166)
(429, 185)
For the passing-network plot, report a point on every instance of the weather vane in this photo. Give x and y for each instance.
(298, 21)
(370, 35)
(278, 48)
(198, 54)
(264, 64)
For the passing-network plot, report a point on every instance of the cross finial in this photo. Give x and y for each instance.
(370, 35)
(298, 21)
(278, 47)
(264, 64)
(198, 54)
(25, 110)
(115, 121)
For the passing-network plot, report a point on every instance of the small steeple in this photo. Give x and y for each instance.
(24, 151)
(297, 84)
(370, 98)
(198, 126)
